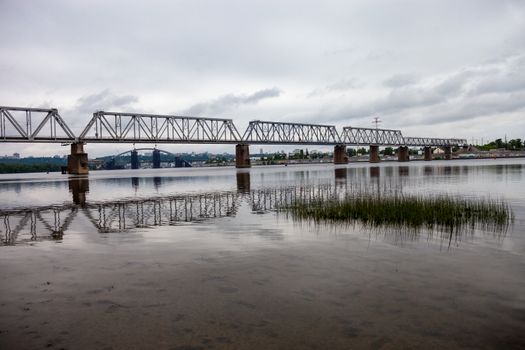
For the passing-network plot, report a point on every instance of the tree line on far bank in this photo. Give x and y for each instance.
(512, 145)
(31, 165)
(7, 168)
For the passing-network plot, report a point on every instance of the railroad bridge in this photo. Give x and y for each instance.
(33, 125)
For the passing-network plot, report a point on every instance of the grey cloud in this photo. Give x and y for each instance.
(340, 51)
(259, 95)
(409, 97)
(80, 113)
(476, 108)
(501, 84)
(508, 78)
(461, 95)
(452, 86)
(431, 119)
(344, 84)
(379, 54)
(400, 80)
(405, 93)
(414, 96)
(340, 85)
(460, 86)
(227, 102)
(104, 100)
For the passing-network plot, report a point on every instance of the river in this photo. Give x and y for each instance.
(199, 258)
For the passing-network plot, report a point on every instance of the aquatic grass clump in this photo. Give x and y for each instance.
(443, 213)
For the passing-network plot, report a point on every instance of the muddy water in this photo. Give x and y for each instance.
(198, 259)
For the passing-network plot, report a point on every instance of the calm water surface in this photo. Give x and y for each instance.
(199, 258)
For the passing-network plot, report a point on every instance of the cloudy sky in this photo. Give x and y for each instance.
(430, 68)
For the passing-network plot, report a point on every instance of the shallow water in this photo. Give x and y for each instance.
(198, 258)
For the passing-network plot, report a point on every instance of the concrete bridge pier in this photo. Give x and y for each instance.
(448, 152)
(156, 159)
(77, 161)
(374, 154)
(340, 156)
(242, 156)
(428, 153)
(402, 154)
(135, 164)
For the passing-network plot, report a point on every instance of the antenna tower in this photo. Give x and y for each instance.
(376, 121)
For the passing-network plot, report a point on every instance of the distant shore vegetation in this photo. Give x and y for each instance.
(28, 168)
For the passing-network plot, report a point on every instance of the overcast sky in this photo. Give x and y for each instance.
(430, 68)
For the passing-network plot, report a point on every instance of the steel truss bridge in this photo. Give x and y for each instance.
(20, 124)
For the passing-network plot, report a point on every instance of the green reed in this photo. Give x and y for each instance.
(406, 211)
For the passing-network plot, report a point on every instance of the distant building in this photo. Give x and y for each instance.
(16, 155)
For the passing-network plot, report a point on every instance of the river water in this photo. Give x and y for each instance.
(199, 258)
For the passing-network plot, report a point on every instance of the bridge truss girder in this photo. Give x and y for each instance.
(370, 136)
(433, 142)
(150, 128)
(21, 124)
(33, 126)
(267, 132)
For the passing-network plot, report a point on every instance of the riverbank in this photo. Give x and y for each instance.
(14, 167)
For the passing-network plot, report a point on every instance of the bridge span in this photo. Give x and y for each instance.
(33, 125)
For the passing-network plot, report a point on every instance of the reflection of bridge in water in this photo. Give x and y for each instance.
(40, 223)
(52, 222)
